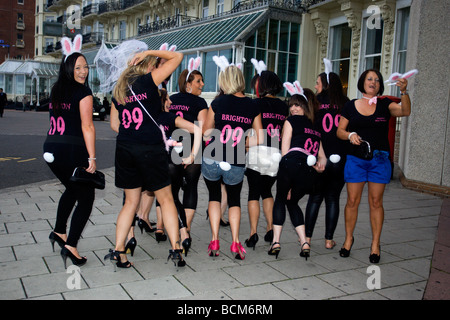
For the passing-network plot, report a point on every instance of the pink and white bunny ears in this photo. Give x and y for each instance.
(69, 47)
(328, 68)
(294, 88)
(193, 64)
(395, 76)
(222, 63)
(165, 46)
(260, 66)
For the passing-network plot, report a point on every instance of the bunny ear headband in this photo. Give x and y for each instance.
(222, 63)
(69, 47)
(294, 88)
(328, 68)
(165, 46)
(193, 64)
(260, 66)
(395, 76)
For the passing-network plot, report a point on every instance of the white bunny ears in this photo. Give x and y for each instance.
(69, 47)
(193, 64)
(165, 46)
(328, 68)
(395, 76)
(294, 88)
(260, 66)
(222, 63)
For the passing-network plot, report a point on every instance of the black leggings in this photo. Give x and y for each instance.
(332, 186)
(259, 186)
(233, 192)
(67, 157)
(294, 175)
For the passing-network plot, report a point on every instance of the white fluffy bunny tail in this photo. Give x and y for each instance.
(68, 47)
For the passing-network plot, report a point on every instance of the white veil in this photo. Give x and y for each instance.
(111, 63)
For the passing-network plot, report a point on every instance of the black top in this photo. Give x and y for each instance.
(273, 114)
(374, 128)
(68, 121)
(304, 134)
(233, 117)
(135, 123)
(187, 105)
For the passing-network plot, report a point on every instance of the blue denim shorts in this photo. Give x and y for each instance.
(212, 172)
(377, 170)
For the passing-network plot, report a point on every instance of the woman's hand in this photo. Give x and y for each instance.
(402, 84)
(92, 165)
(187, 161)
(138, 57)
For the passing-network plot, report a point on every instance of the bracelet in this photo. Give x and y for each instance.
(351, 133)
(90, 159)
(404, 93)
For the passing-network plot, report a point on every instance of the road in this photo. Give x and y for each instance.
(22, 135)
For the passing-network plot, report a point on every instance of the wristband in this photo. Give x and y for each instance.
(90, 159)
(351, 133)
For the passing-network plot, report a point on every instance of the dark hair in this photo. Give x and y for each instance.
(163, 95)
(66, 81)
(333, 89)
(363, 76)
(254, 83)
(182, 83)
(306, 105)
(269, 83)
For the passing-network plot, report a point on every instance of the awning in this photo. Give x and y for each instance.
(204, 34)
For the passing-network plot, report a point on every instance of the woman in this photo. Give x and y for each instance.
(295, 177)
(141, 161)
(70, 143)
(231, 115)
(367, 119)
(331, 101)
(274, 111)
(190, 106)
(171, 122)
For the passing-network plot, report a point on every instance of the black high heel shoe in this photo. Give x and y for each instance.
(54, 237)
(344, 253)
(175, 255)
(114, 256)
(304, 253)
(186, 245)
(375, 258)
(131, 245)
(252, 241)
(160, 236)
(142, 224)
(76, 261)
(274, 251)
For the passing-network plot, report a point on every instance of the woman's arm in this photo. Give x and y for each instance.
(257, 138)
(321, 160)
(163, 72)
(404, 108)
(343, 134)
(114, 118)
(191, 128)
(286, 138)
(88, 129)
(208, 126)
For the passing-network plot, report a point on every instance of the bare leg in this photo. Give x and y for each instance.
(354, 192)
(376, 191)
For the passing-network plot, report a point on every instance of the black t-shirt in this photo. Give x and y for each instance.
(374, 128)
(326, 120)
(187, 105)
(135, 124)
(233, 117)
(67, 121)
(304, 134)
(273, 114)
(167, 120)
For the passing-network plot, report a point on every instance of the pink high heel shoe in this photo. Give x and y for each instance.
(236, 247)
(213, 248)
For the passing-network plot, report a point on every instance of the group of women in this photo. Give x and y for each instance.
(325, 125)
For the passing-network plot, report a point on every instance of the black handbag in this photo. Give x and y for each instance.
(363, 151)
(96, 179)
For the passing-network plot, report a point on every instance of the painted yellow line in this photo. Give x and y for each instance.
(27, 160)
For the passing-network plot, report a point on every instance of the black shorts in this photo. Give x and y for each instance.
(140, 165)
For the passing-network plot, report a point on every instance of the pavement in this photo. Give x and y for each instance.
(415, 251)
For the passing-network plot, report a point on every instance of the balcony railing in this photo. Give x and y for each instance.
(90, 9)
(110, 6)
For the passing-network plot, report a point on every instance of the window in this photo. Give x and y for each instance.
(205, 5)
(210, 70)
(122, 30)
(401, 44)
(276, 43)
(340, 47)
(220, 4)
(20, 84)
(372, 47)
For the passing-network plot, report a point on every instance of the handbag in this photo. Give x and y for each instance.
(363, 151)
(96, 179)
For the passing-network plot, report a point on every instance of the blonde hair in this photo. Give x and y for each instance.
(231, 80)
(129, 75)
